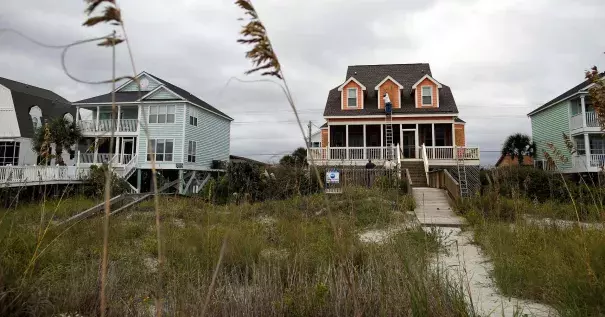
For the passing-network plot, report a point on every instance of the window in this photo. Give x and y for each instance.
(352, 97)
(36, 114)
(162, 148)
(427, 95)
(191, 151)
(9, 153)
(161, 114)
(193, 121)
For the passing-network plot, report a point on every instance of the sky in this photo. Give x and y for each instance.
(501, 58)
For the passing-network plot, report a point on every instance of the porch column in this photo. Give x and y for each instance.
(347, 141)
(587, 146)
(94, 158)
(416, 141)
(97, 121)
(328, 145)
(181, 182)
(77, 114)
(118, 122)
(583, 106)
(78, 158)
(118, 149)
(454, 152)
(433, 134)
(140, 116)
(381, 140)
(364, 142)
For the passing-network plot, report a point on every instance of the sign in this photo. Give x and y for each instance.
(332, 177)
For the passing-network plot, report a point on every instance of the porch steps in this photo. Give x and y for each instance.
(417, 173)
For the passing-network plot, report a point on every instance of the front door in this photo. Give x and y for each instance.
(409, 143)
(127, 150)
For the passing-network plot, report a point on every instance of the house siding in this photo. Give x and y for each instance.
(548, 127)
(132, 86)
(162, 94)
(345, 99)
(162, 131)
(427, 82)
(459, 135)
(324, 137)
(394, 94)
(212, 135)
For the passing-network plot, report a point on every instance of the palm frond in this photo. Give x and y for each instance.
(93, 4)
(110, 14)
(254, 33)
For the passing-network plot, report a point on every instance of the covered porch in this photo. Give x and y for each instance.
(362, 142)
(590, 152)
(98, 119)
(97, 151)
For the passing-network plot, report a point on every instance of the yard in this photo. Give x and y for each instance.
(294, 257)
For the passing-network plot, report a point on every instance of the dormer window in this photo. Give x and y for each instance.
(427, 95)
(352, 97)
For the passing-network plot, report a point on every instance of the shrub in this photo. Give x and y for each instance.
(96, 182)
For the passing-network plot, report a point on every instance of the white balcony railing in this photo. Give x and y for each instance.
(123, 125)
(576, 121)
(596, 160)
(10, 175)
(591, 119)
(381, 153)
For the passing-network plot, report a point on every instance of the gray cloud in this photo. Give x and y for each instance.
(502, 59)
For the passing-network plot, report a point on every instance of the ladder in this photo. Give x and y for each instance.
(462, 179)
(389, 136)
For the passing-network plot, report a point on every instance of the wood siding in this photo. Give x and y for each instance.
(212, 135)
(162, 131)
(427, 82)
(162, 94)
(460, 137)
(345, 99)
(392, 90)
(132, 86)
(547, 128)
(324, 137)
(354, 120)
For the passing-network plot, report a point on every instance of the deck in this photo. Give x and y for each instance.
(17, 176)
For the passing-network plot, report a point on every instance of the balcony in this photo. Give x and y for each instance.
(106, 125)
(14, 176)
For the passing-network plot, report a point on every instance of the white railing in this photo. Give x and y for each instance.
(123, 125)
(10, 175)
(576, 121)
(382, 153)
(578, 161)
(426, 162)
(591, 119)
(597, 160)
(130, 164)
(89, 158)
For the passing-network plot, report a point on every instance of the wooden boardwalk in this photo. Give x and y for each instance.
(17, 176)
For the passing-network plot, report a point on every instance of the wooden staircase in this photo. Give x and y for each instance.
(417, 173)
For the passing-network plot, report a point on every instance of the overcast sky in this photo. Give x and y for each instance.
(501, 58)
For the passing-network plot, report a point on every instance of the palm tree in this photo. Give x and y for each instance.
(519, 145)
(59, 131)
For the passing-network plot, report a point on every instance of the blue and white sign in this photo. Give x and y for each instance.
(333, 177)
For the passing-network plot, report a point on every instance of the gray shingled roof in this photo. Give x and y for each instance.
(564, 95)
(405, 74)
(134, 96)
(26, 96)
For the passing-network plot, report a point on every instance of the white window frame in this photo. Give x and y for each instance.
(9, 158)
(160, 157)
(349, 97)
(162, 114)
(191, 151)
(430, 88)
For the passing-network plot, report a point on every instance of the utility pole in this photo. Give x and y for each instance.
(309, 138)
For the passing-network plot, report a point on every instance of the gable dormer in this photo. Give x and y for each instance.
(162, 93)
(391, 87)
(426, 92)
(351, 95)
(147, 83)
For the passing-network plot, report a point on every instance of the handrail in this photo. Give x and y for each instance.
(451, 185)
(409, 180)
(426, 162)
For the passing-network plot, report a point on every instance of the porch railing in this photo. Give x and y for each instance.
(10, 175)
(592, 120)
(101, 158)
(596, 160)
(380, 153)
(122, 125)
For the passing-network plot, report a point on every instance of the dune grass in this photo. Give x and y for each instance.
(563, 266)
(282, 258)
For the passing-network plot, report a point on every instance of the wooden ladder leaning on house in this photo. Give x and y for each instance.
(462, 179)
(389, 135)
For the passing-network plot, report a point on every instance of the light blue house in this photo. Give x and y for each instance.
(162, 122)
